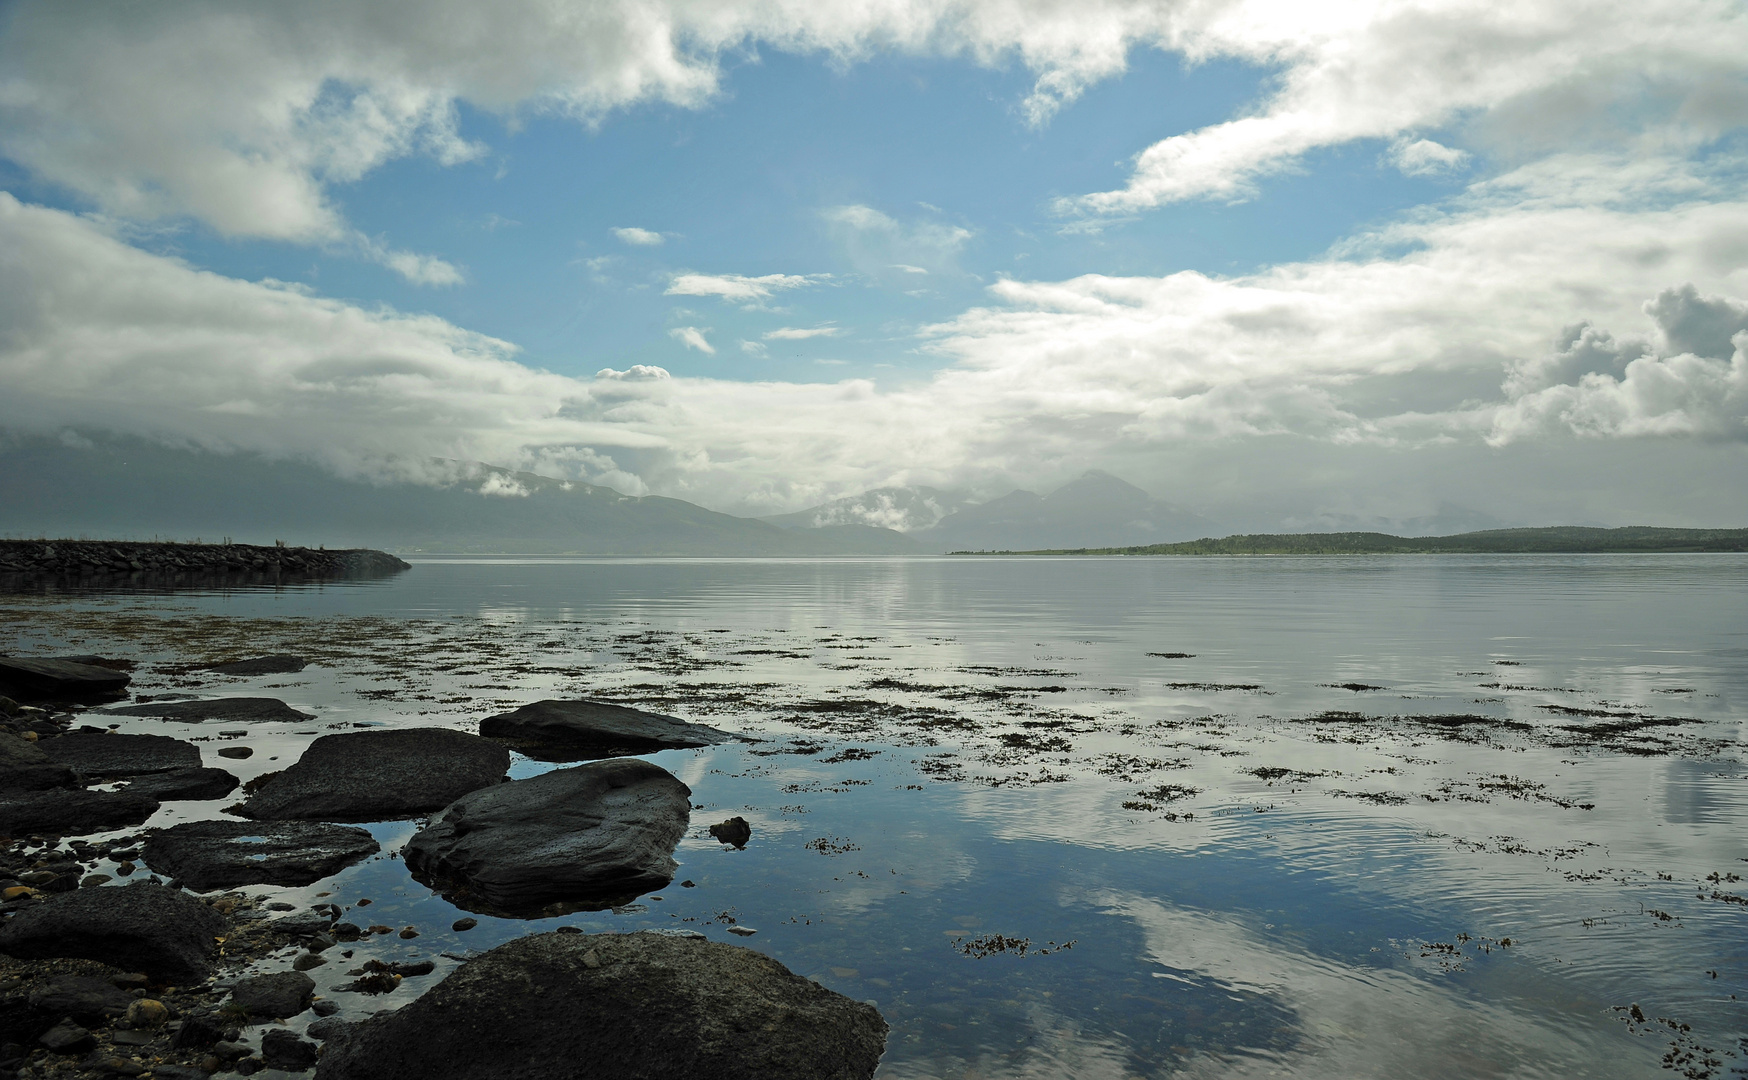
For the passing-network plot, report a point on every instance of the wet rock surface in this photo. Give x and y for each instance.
(594, 835)
(68, 812)
(276, 664)
(276, 996)
(59, 679)
(207, 855)
(233, 709)
(657, 1006)
(184, 784)
(379, 776)
(579, 730)
(24, 767)
(167, 934)
(113, 756)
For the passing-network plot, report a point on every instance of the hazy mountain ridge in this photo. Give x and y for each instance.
(904, 509)
(137, 490)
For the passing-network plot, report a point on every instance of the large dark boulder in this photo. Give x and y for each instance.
(207, 855)
(580, 730)
(276, 664)
(65, 812)
(24, 767)
(113, 756)
(379, 776)
(169, 935)
(233, 709)
(593, 836)
(621, 1006)
(185, 784)
(52, 679)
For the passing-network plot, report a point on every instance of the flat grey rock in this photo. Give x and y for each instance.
(24, 767)
(592, 836)
(207, 855)
(579, 730)
(620, 1006)
(169, 935)
(71, 812)
(276, 664)
(185, 784)
(113, 756)
(59, 679)
(379, 776)
(278, 996)
(86, 1000)
(233, 709)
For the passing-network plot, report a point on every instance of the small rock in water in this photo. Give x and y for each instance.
(409, 933)
(742, 931)
(307, 961)
(734, 831)
(464, 924)
(278, 996)
(283, 1049)
(324, 1008)
(236, 751)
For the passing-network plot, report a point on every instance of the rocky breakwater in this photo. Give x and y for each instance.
(643, 1006)
(120, 562)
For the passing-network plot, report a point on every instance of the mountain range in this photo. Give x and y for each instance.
(136, 490)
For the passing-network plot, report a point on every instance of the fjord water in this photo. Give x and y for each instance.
(1222, 864)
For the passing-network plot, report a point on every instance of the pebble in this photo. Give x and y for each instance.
(307, 961)
(236, 752)
(409, 933)
(464, 924)
(742, 931)
(90, 881)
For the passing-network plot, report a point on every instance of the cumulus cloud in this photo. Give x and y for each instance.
(1530, 75)
(1590, 385)
(800, 333)
(244, 117)
(692, 338)
(1396, 342)
(1423, 157)
(638, 237)
(739, 286)
(99, 336)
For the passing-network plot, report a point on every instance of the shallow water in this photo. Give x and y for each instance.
(1260, 872)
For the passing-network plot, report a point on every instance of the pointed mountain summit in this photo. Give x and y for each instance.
(906, 509)
(1096, 510)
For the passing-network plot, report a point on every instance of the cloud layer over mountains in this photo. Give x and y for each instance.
(1593, 287)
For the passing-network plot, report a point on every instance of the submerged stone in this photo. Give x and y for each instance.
(236, 709)
(207, 855)
(578, 730)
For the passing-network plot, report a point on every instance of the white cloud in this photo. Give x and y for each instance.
(879, 243)
(506, 486)
(639, 237)
(1423, 157)
(739, 286)
(244, 117)
(1519, 78)
(797, 333)
(692, 338)
(753, 348)
(418, 269)
(1392, 351)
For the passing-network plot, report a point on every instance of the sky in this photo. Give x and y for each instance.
(1301, 263)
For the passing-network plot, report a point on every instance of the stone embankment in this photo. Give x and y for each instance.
(103, 561)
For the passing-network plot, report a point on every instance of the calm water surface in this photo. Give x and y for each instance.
(1222, 864)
